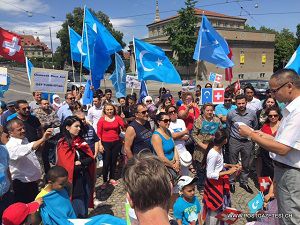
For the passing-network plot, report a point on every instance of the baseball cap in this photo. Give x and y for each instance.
(185, 158)
(12, 103)
(16, 213)
(184, 181)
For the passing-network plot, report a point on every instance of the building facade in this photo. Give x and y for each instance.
(253, 51)
(34, 48)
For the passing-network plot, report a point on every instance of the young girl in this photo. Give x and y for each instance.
(216, 190)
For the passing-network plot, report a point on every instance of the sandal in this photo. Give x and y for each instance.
(113, 182)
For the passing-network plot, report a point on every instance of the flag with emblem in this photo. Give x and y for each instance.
(264, 183)
(206, 95)
(218, 78)
(218, 95)
(229, 215)
(10, 46)
(256, 203)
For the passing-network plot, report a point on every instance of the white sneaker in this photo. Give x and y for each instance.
(100, 164)
(97, 202)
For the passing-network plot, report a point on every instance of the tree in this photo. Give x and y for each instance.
(298, 35)
(248, 27)
(284, 48)
(182, 35)
(75, 20)
(268, 30)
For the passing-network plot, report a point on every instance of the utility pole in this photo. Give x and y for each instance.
(51, 47)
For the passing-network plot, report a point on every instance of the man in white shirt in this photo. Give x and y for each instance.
(285, 147)
(95, 112)
(252, 102)
(24, 166)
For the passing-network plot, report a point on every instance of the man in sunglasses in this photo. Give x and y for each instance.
(138, 133)
(222, 110)
(285, 147)
(67, 109)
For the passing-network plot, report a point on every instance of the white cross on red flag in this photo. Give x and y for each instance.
(218, 78)
(229, 215)
(10, 46)
(264, 183)
(218, 95)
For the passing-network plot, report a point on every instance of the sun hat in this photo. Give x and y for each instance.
(184, 181)
(185, 158)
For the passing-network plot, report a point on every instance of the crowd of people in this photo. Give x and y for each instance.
(168, 146)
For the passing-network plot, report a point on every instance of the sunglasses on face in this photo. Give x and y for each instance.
(271, 116)
(143, 112)
(275, 90)
(227, 100)
(166, 120)
(72, 98)
(172, 112)
(149, 101)
(24, 109)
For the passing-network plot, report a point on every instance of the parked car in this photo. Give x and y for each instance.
(260, 86)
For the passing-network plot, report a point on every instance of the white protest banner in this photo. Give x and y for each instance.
(49, 81)
(3, 76)
(132, 82)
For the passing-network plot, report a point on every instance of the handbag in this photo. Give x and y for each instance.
(174, 175)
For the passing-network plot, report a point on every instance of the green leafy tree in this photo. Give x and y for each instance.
(182, 35)
(285, 43)
(298, 35)
(75, 20)
(268, 30)
(248, 27)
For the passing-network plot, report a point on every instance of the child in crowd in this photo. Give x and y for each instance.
(21, 213)
(187, 207)
(216, 190)
(57, 178)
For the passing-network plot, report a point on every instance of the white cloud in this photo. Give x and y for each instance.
(40, 30)
(19, 6)
(118, 23)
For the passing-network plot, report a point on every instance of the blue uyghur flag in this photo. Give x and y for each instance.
(256, 203)
(105, 219)
(76, 46)
(294, 62)
(206, 95)
(29, 67)
(153, 64)
(110, 43)
(88, 94)
(143, 91)
(212, 77)
(118, 78)
(4, 88)
(211, 47)
(209, 127)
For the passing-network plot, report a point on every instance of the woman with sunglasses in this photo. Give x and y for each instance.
(270, 127)
(108, 129)
(75, 155)
(164, 146)
(261, 114)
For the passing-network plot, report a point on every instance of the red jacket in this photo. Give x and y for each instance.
(66, 159)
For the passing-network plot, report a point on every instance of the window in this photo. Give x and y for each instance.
(261, 75)
(241, 76)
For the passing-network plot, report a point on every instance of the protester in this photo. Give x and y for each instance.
(37, 100)
(10, 111)
(109, 128)
(187, 207)
(75, 155)
(222, 110)
(6, 195)
(95, 112)
(56, 103)
(107, 97)
(138, 133)
(20, 213)
(285, 86)
(145, 175)
(179, 101)
(161, 92)
(25, 168)
(165, 103)
(216, 192)
(239, 144)
(203, 133)
(67, 109)
(148, 100)
(270, 127)
(129, 108)
(261, 114)
(252, 102)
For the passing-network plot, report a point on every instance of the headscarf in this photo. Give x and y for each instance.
(147, 98)
(54, 103)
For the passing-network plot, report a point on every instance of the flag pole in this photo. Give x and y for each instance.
(136, 70)
(88, 53)
(200, 43)
(27, 69)
(71, 56)
(80, 72)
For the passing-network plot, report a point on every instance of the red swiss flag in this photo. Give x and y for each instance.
(218, 78)
(264, 183)
(218, 95)
(228, 71)
(229, 215)
(10, 46)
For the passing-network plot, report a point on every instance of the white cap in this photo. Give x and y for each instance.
(185, 158)
(54, 97)
(184, 181)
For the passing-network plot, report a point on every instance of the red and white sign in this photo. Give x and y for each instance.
(218, 95)
(264, 183)
(229, 215)
(237, 86)
(218, 78)
(10, 46)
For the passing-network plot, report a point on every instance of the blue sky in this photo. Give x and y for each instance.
(132, 16)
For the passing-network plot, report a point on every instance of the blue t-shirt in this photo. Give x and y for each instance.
(221, 110)
(91, 137)
(186, 211)
(4, 160)
(167, 145)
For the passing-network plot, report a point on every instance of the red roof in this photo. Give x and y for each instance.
(29, 40)
(206, 13)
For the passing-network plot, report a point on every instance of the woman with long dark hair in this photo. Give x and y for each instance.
(75, 155)
(217, 174)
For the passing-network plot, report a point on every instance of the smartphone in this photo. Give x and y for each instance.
(55, 131)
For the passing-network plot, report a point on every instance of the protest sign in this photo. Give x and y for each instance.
(3, 76)
(49, 81)
(132, 82)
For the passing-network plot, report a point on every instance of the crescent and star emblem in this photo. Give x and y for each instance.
(142, 53)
